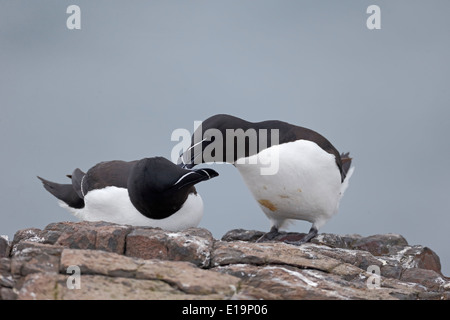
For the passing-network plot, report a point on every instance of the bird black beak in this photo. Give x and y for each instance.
(192, 156)
(182, 161)
(186, 165)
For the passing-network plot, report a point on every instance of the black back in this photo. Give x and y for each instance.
(287, 133)
(107, 174)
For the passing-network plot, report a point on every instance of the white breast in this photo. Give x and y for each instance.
(306, 186)
(112, 204)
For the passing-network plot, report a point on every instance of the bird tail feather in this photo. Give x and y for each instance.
(64, 192)
(347, 169)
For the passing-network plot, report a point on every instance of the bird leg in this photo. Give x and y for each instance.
(269, 235)
(311, 234)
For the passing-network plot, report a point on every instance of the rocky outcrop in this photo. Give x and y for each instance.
(98, 260)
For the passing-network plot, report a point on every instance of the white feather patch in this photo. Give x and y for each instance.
(112, 204)
(306, 187)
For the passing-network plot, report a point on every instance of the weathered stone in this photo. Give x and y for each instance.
(193, 245)
(380, 244)
(31, 257)
(188, 278)
(7, 294)
(270, 253)
(287, 282)
(390, 251)
(242, 235)
(124, 262)
(99, 262)
(96, 235)
(4, 247)
(5, 265)
(434, 296)
(399, 289)
(424, 258)
(390, 268)
(6, 278)
(112, 238)
(82, 239)
(44, 286)
(358, 258)
(254, 235)
(327, 239)
(336, 241)
(7, 281)
(428, 278)
(247, 292)
(29, 235)
(183, 275)
(146, 244)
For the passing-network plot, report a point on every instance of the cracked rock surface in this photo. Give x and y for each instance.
(125, 262)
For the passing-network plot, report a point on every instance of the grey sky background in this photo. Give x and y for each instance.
(117, 88)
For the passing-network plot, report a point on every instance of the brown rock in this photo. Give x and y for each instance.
(242, 235)
(146, 244)
(6, 278)
(7, 294)
(5, 266)
(423, 258)
(31, 257)
(97, 235)
(4, 247)
(183, 275)
(124, 262)
(336, 241)
(82, 238)
(188, 278)
(29, 235)
(270, 253)
(376, 244)
(380, 244)
(45, 286)
(254, 235)
(193, 245)
(112, 238)
(390, 252)
(428, 278)
(390, 268)
(247, 292)
(287, 282)
(89, 235)
(434, 296)
(98, 262)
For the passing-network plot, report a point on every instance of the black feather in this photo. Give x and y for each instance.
(63, 192)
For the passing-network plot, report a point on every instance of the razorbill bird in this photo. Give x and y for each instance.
(309, 175)
(149, 192)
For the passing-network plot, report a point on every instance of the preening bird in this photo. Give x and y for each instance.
(294, 173)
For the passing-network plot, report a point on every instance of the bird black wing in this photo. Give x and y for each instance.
(105, 174)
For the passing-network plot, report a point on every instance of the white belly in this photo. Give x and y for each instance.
(113, 204)
(307, 185)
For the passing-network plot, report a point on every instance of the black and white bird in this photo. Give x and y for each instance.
(310, 179)
(149, 192)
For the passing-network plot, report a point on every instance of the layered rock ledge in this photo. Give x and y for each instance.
(109, 261)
